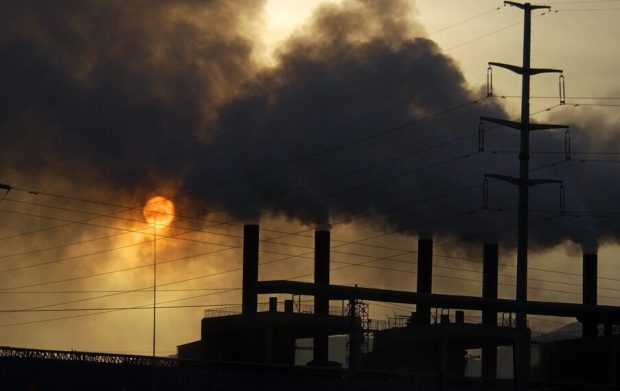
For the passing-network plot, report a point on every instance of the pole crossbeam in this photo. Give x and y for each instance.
(519, 125)
(520, 70)
(526, 6)
(517, 181)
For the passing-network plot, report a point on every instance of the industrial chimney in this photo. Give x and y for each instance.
(425, 278)
(321, 302)
(589, 292)
(489, 318)
(250, 269)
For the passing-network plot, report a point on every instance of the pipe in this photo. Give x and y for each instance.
(340, 292)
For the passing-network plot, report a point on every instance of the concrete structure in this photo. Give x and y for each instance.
(269, 336)
(420, 343)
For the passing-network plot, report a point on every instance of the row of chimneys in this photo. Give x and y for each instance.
(424, 280)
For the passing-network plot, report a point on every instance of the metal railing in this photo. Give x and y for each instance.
(298, 308)
(104, 358)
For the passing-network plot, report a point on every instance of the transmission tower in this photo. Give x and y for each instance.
(523, 182)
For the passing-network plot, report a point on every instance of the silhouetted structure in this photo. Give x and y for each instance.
(239, 346)
(421, 343)
(269, 336)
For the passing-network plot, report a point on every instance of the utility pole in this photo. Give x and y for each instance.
(522, 351)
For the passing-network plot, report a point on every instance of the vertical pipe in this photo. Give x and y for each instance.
(589, 291)
(489, 318)
(425, 278)
(321, 302)
(250, 268)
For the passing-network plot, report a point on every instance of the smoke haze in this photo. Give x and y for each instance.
(134, 97)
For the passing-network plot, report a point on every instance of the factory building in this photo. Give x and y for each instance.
(433, 340)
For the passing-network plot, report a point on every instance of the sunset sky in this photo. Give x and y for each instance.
(357, 115)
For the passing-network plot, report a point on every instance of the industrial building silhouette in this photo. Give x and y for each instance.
(418, 343)
(253, 346)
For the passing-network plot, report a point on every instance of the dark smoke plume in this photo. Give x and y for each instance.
(136, 93)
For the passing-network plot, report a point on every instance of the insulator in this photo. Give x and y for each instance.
(562, 87)
(489, 81)
(567, 145)
(485, 193)
(562, 201)
(481, 136)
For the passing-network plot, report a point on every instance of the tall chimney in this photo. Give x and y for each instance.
(589, 291)
(489, 318)
(250, 268)
(425, 278)
(321, 302)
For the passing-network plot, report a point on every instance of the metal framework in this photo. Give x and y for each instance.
(89, 357)
(523, 182)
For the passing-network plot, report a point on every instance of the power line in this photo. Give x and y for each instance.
(137, 290)
(310, 156)
(583, 1)
(587, 9)
(218, 244)
(464, 21)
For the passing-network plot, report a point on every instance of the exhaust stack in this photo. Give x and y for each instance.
(250, 269)
(589, 292)
(425, 278)
(321, 302)
(489, 317)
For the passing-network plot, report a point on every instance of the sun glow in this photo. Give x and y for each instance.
(159, 210)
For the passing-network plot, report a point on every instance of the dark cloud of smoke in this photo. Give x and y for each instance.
(117, 90)
(132, 94)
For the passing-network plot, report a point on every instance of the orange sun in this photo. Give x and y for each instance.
(159, 210)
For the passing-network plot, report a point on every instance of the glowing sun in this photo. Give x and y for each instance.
(159, 210)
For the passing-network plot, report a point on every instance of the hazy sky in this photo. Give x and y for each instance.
(357, 115)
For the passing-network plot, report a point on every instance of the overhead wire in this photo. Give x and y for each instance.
(127, 207)
(22, 267)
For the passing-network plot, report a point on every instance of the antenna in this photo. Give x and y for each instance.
(523, 182)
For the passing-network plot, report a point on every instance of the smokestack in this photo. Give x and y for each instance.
(489, 281)
(489, 318)
(250, 268)
(321, 302)
(589, 291)
(425, 278)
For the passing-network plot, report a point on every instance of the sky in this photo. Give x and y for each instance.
(357, 116)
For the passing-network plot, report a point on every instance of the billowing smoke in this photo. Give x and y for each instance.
(360, 116)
